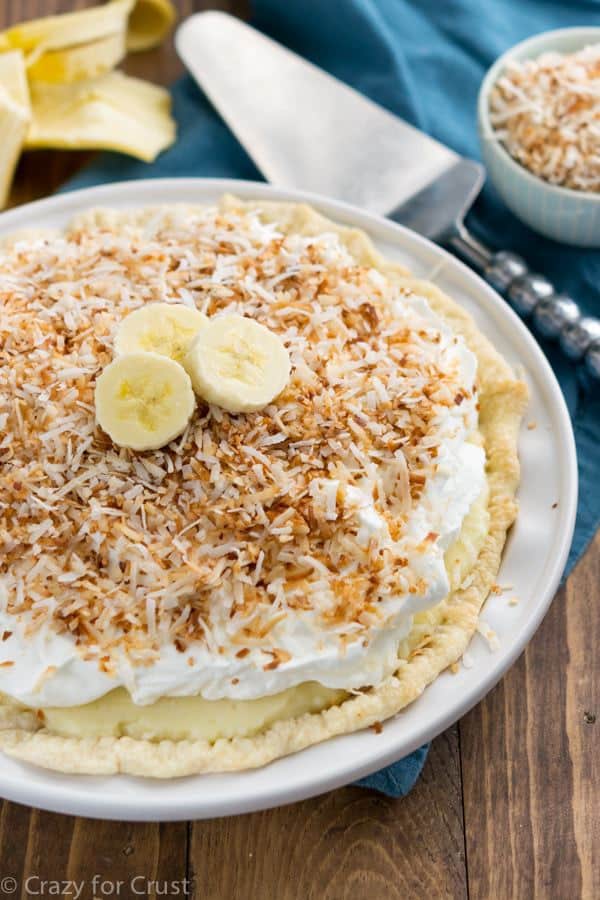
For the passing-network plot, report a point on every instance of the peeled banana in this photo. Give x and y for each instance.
(113, 112)
(15, 115)
(165, 328)
(238, 364)
(143, 400)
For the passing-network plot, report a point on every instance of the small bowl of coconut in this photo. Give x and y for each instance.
(539, 125)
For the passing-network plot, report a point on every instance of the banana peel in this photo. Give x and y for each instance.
(15, 116)
(87, 43)
(149, 23)
(13, 78)
(67, 30)
(58, 87)
(78, 63)
(113, 112)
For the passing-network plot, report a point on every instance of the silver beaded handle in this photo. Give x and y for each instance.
(554, 315)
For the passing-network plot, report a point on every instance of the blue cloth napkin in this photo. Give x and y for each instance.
(423, 60)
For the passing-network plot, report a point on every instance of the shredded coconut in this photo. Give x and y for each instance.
(489, 635)
(546, 112)
(467, 660)
(126, 550)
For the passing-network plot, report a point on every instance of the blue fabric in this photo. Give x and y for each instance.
(424, 60)
(399, 778)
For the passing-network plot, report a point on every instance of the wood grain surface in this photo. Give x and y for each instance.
(508, 805)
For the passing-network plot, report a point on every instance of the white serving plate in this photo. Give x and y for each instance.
(533, 561)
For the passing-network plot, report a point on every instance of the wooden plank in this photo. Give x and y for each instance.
(105, 857)
(530, 762)
(583, 713)
(151, 854)
(350, 843)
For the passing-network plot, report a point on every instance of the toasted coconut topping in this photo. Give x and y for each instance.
(546, 112)
(256, 514)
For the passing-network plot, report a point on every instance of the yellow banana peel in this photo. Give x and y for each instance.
(67, 30)
(113, 112)
(13, 77)
(149, 23)
(78, 63)
(141, 24)
(58, 87)
(15, 116)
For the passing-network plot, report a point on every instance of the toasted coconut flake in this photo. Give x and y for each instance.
(546, 112)
(245, 516)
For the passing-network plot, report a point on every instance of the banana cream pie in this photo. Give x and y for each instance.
(255, 485)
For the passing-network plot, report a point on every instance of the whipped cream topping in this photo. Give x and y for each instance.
(47, 670)
(41, 666)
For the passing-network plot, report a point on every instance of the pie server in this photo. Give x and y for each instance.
(306, 129)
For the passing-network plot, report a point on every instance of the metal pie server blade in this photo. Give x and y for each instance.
(305, 129)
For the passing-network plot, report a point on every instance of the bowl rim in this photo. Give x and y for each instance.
(486, 131)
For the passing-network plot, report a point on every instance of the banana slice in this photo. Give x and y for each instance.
(165, 328)
(143, 400)
(238, 364)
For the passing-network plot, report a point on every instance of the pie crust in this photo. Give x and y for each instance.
(502, 400)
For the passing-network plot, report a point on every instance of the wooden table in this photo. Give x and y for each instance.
(508, 805)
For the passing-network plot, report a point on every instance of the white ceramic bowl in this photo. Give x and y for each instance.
(532, 562)
(572, 217)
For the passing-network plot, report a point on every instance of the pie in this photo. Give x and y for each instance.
(269, 579)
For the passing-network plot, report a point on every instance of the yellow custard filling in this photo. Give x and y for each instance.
(187, 718)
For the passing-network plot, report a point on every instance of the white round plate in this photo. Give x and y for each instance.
(533, 561)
